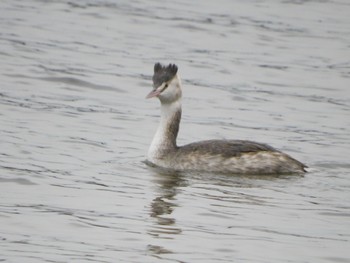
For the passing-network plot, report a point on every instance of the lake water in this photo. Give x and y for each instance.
(75, 128)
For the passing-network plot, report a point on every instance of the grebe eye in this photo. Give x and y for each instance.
(166, 85)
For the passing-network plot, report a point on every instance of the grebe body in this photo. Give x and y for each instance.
(219, 156)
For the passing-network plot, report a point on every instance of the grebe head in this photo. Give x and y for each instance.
(166, 83)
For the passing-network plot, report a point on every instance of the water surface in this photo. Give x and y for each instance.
(75, 127)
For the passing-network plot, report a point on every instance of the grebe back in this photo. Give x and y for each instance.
(222, 156)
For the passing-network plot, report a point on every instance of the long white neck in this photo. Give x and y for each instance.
(165, 138)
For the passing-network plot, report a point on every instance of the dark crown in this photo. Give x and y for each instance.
(163, 74)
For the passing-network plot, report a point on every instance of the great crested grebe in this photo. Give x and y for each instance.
(220, 156)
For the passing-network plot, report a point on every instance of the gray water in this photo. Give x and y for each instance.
(75, 127)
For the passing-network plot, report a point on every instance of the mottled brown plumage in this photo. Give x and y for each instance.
(225, 148)
(219, 156)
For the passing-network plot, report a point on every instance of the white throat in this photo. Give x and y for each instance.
(164, 140)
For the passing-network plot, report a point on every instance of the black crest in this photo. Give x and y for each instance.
(163, 74)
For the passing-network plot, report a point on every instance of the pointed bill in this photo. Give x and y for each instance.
(153, 93)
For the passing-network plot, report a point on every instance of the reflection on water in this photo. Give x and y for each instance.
(167, 186)
(75, 127)
(222, 192)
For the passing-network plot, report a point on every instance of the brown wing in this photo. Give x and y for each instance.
(225, 148)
